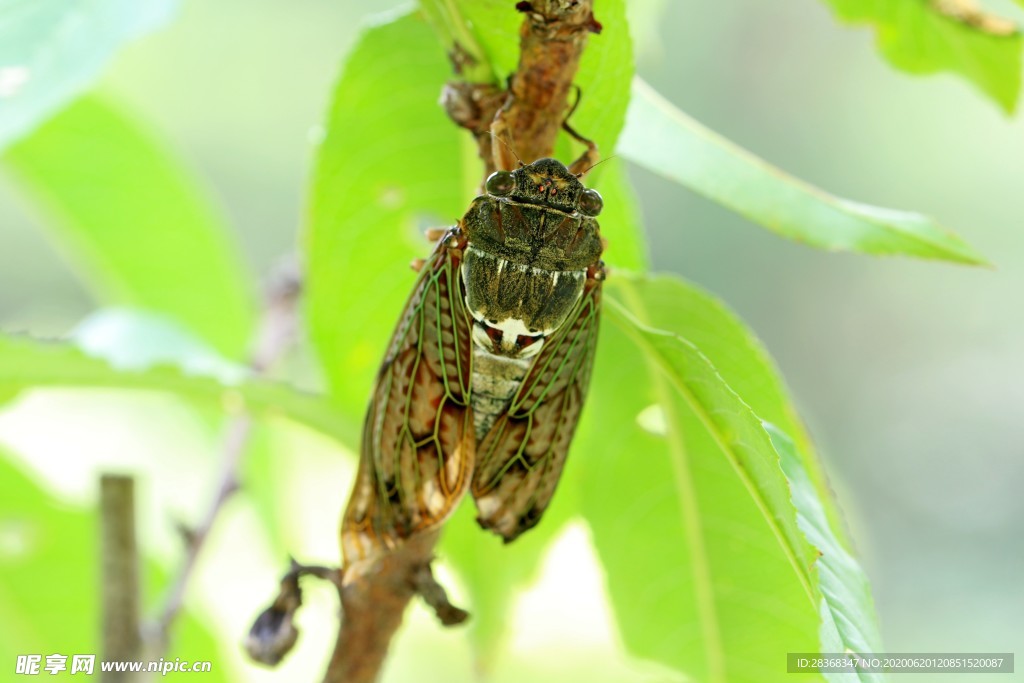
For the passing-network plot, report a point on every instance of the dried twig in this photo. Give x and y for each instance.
(372, 608)
(434, 595)
(277, 332)
(273, 634)
(120, 573)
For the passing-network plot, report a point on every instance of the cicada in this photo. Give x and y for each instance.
(483, 381)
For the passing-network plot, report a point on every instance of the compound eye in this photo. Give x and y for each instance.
(500, 183)
(590, 202)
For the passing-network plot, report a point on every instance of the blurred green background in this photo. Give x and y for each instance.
(910, 374)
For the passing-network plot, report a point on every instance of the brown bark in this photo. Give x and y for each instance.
(552, 40)
(372, 606)
(527, 116)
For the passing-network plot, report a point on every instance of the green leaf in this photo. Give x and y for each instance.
(847, 609)
(690, 511)
(391, 165)
(691, 516)
(487, 29)
(604, 79)
(264, 460)
(709, 540)
(846, 615)
(132, 219)
(666, 141)
(136, 340)
(51, 50)
(734, 428)
(930, 36)
(27, 364)
(620, 227)
(44, 608)
(679, 307)
(47, 609)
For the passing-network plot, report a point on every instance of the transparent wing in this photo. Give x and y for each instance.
(418, 442)
(520, 460)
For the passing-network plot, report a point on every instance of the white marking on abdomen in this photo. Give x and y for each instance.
(514, 327)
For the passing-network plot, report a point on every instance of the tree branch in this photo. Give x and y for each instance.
(527, 116)
(276, 333)
(122, 639)
(552, 40)
(372, 607)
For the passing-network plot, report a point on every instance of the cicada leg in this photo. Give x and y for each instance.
(590, 156)
(432, 235)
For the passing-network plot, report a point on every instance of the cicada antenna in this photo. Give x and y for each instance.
(596, 163)
(508, 147)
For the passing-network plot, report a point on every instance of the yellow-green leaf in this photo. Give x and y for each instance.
(931, 36)
(133, 221)
(666, 141)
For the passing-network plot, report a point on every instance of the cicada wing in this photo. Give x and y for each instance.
(418, 441)
(520, 460)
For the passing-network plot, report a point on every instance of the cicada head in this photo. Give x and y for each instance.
(545, 182)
